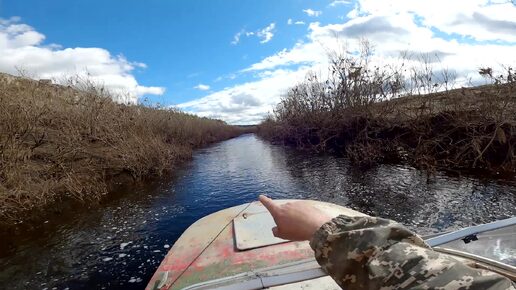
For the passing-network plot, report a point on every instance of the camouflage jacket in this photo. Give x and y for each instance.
(375, 253)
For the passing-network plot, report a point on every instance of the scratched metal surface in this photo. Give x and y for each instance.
(499, 245)
(206, 250)
(254, 231)
(323, 283)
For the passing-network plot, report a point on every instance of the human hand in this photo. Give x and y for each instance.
(295, 221)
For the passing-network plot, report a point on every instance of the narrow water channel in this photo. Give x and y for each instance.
(118, 245)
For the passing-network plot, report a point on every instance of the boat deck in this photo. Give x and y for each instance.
(207, 250)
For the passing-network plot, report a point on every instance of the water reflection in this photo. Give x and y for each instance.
(119, 244)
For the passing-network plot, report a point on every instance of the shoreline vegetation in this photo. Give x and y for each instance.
(411, 113)
(74, 143)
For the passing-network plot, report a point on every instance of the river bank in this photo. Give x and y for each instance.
(74, 143)
(385, 115)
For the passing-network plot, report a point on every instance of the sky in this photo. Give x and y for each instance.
(234, 59)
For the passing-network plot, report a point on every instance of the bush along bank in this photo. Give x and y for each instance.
(73, 142)
(400, 114)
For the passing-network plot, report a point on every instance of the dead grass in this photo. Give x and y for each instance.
(60, 143)
(401, 114)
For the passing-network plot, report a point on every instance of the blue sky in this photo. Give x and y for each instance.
(186, 52)
(183, 43)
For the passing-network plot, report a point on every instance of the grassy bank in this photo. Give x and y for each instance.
(401, 114)
(59, 143)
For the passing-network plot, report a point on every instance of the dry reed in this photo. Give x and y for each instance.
(400, 114)
(59, 143)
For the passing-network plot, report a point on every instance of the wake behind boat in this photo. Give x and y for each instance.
(235, 249)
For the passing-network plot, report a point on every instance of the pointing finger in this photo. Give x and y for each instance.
(275, 231)
(269, 204)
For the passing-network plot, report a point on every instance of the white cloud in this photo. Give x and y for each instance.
(230, 76)
(313, 13)
(202, 87)
(245, 103)
(301, 53)
(21, 46)
(236, 37)
(339, 2)
(290, 22)
(479, 19)
(265, 35)
(395, 26)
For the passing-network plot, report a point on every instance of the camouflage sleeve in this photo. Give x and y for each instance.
(375, 253)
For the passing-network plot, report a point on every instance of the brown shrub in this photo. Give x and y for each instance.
(381, 114)
(61, 142)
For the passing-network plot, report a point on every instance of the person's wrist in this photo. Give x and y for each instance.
(318, 226)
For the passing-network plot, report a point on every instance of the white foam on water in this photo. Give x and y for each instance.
(123, 245)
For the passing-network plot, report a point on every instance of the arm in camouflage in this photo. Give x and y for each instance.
(375, 253)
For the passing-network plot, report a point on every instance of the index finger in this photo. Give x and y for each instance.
(269, 205)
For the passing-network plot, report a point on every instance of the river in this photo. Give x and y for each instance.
(120, 243)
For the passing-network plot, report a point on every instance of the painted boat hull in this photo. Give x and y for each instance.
(207, 250)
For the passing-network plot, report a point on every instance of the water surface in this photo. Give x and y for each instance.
(118, 245)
